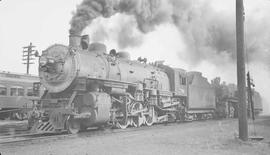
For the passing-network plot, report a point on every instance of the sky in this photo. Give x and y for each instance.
(41, 22)
(46, 22)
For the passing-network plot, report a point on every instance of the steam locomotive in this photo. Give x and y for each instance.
(86, 87)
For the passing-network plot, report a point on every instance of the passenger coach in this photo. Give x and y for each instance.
(16, 93)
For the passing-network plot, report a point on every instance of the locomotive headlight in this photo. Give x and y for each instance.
(51, 61)
(42, 61)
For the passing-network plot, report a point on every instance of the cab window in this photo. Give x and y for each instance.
(183, 80)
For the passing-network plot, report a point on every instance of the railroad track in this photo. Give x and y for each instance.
(13, 128)
(32, 138)
(15, 139)
(28, 137)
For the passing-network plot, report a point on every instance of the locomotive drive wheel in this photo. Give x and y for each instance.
(72, 125)
(149, 119)
(122, 124)
(140, 118)
(123, 121)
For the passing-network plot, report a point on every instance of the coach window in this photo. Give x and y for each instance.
(30, 92)
(13, 91)
(3, 90)
(20, 91)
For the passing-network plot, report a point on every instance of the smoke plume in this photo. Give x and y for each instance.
(208, 33)
(147, 13)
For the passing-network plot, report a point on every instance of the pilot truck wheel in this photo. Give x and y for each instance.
(72, 125)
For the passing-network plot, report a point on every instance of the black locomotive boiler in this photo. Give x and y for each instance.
(86, 86)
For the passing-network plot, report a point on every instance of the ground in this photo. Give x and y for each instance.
(206, 137)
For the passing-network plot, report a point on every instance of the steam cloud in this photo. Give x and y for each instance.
(148, 13)
(208, 33)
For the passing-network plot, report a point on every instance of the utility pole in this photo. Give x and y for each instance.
(28, 54)
(241, 75)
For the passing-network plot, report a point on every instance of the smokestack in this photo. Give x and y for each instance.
(74, 39)
(85, 42)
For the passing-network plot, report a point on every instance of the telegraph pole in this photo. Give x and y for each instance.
(28, 54)
(241, 81)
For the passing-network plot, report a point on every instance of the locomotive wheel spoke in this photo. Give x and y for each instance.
(72, 125)
(122, 124)
(149, 119)
(123, 121)
(139, 119)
